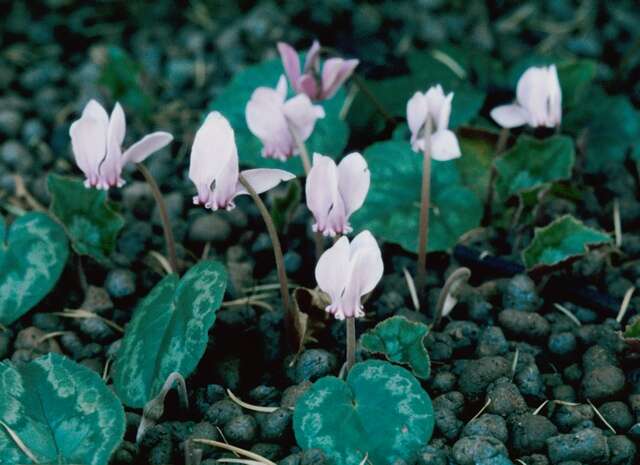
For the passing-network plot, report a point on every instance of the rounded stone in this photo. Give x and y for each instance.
(529, 433)
(487, 425)
(276, 426)
(120, 283)
(562, 343)
(478, 374)
(587, 446)
(472, 449)
(222, 411)
(520, 294)
(528, 326)
(241, 429)
(604, 382)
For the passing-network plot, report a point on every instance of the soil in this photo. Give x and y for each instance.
(511, 375)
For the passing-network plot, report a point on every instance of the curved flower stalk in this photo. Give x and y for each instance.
(317, 84)
(214, 171)
(346, 272)
(281, 124)
(214, 167)
(96, 140)
(428, 118)
(335, 192)
(538, 101)
(435, 106)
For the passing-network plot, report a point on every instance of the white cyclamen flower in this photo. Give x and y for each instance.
(436, 106)
(538, 101)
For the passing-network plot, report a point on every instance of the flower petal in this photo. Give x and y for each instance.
(335, 72)
(146, 146)
(354, 180)
(111, 167)
(263, 179)
(308, 86)
(266, 120)
(510, 116)
(332, 270)
(302, 115)
(312, 60)
(290, 62)
(88, 142)
(417, 111)
(321, 189)
(444, 145)
(367, 269)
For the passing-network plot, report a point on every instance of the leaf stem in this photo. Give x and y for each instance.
(503, 138)
(164, 216)
(423, 232)
(351, 342)
(277, 253)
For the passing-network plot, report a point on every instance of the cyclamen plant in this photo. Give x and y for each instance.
(346, 272)
(315, 83)
(428, 118)
(335, 192)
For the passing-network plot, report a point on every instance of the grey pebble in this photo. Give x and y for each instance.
(471, 449)
(487, 424)
(478, 374)
(588, 446)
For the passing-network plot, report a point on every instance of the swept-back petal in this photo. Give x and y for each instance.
(263, 179)
(302, 115)
(510, 116)
(111, 167)
(89, 145)
(321, 189)
(417, 112)
(444, 145)
(333, 270)
(312, 60)
(266, 120)
(354, 181)
(367, 268)
(146, 146)
(290, 62)
(335, 72)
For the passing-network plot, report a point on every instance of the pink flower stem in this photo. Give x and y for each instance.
(164, 216)
(351, 342)
(289, 319)
(423, 232)
(488, 203)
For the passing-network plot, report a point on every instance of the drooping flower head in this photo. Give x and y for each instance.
(315, 83)
(538, 100)
(272, 118)
(96, 140)
(214, 169)
(335, 192)
(435, 106)
(348, 271)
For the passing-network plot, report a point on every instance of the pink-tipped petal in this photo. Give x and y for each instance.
(290, 62)
(266, 120)
(335, 72)
(263, 179)
(321, 190)
(444, 145)
(308, 85)
(367, 268)
(354, 181)
(111, 167)
(510, 116)
(146, 146)
(313, 58)
(333, 269)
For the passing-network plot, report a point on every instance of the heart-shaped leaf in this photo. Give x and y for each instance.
(532, 163)
(92, 225)
(329, 137)
(380, 412)
(33, 252)
(559, 241)
(168, 332)
(61, 411)
(400, 341)
(392, 208)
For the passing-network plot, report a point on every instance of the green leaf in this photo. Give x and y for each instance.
(168, 332)
(91, 224)
(400, 341)
(392, 208)
(532, 163)
(559, 241)
(475, 163)
(612, 126)
(33, 252)
(329, 137)
(633, 331)
(122, 76)
(380, 411)
(60, 410)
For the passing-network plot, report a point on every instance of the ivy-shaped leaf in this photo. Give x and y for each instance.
(33, 253)
(392, 208)
(329, 137)
(559, 241)
(380, 412)
(62, 412)
(400, 341)
(91, 224)
(168, 332)
(532, 163)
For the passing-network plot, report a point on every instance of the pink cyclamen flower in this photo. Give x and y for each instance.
(335, 192)
(538, 101)
(272, 118)
(214, 166)
(348, 271)
(96, 140)
(436, 106)
(316, 84)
